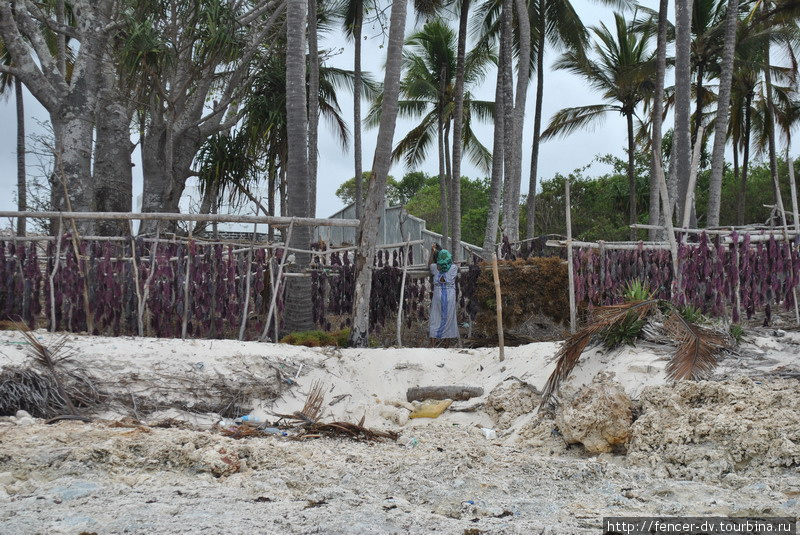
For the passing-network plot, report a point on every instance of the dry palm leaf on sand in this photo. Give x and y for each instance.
(695, 358)
(49, 358)
(309, 420)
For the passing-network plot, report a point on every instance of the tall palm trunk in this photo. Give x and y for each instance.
(723, 114)
(496, 186)
(698, 110)
(458, 122)
(298, 303)
(631, 176)
(271, 186)
(682, 155)
(313, 106)
(373, 209)
(359, 176)
(741, 199)
(506, 38)
(523, 70)
(443, 182)
(22, 183)
(770, 125)
(658, 112)
(537, 124)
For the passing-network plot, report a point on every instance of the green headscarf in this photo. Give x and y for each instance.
(444, 260)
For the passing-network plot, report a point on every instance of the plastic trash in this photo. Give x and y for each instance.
(431, 408)
(490, 434)
(249, 419)
(275, 431)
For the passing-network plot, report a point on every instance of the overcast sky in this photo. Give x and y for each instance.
(556, 156)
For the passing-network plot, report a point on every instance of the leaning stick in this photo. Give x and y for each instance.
(276, 286)
(136, 282)
(570, 268)
(247, 286)
(499, 306)
(185, 320)
(402, 294)
(56, 264)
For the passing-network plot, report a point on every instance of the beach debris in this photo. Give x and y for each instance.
(455, 393)
(430, 408)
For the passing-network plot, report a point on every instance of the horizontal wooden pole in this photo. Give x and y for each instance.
(161, 216)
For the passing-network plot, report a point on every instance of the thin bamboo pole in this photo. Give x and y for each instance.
(161, 216)
(402, 294)
(186, 286)
(139, 302)
(247, 288)
(276, 287)
(788, 244)
(570, 275)
(499, 307)
(56, 264)
(146, 293)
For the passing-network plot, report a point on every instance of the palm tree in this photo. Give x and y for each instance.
(558, 23)
(368, 230)
(657, 117)
(622, 73)
(7, 81)
(353, 20)
(681, 155)
(298, 304)
(723, 113)
(428, 91)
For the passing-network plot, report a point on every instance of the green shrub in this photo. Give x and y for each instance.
(317, 338)
(637, 290)
(737, 333)
(623, 332)
(692, 314)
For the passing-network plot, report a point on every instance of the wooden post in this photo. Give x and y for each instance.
(185, 320)
(499, 298)
(247, 286)
(780, 207)
(402, 294)
(276, 286)
(737, 302)
(570, 275)
(136, 281)
(790, 162)
(56, 264)
(150, 275)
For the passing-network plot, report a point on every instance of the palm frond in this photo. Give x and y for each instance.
(570, 352)
(698, 349)
(568, 120)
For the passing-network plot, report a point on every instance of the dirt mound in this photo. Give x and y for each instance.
(705, 430)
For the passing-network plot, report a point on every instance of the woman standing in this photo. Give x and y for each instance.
(442, 318)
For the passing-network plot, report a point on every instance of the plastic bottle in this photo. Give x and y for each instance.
(250, 419)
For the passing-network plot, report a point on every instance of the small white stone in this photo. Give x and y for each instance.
(25, 421)
(23, 414)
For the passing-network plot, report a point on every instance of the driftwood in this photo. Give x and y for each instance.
(456, 393)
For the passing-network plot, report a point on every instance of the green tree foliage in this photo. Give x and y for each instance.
(600, 204)
(474, 205)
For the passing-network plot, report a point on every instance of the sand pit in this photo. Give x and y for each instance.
(723, 447)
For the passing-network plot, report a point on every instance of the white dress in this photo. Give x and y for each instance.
(442, 321)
